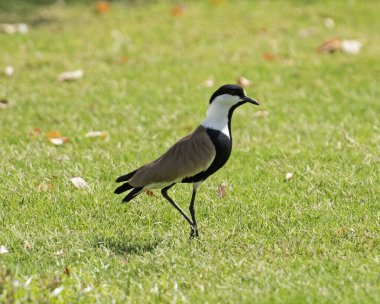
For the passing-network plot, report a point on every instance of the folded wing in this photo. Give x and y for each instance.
(188, 157)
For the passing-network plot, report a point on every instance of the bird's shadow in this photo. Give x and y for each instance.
(125, 246)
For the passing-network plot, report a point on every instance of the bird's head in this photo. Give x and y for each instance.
(230, 95)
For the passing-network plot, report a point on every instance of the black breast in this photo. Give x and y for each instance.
(223, 147)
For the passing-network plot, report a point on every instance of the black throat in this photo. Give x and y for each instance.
(230, 112)
(223, 148)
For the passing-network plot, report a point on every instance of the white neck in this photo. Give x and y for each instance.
(217, 118)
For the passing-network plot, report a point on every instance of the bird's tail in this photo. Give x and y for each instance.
(126, 186)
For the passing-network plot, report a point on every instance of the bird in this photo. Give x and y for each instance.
(193, 158)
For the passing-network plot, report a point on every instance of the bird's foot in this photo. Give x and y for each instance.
(194, 233)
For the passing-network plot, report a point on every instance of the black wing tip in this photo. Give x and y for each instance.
(120, 179)
(124, 187)
(131, 195)
(117, 191)
(126, 177)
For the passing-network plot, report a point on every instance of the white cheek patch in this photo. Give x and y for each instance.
(217, 114)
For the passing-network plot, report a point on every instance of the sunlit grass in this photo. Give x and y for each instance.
(313, 238)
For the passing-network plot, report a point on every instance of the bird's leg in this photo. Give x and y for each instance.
(194, 229)
(164, 193)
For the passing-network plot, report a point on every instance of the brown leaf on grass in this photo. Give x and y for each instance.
(67, 271)
(243, 82)
(35, 132)
(71, 75)
(330, 46)
(56, 138)
(222, 190)
(269, 56)
(4, 104)
(53, 134)
(149, 192)
(344, 45)
(178, 10)
(102, 7)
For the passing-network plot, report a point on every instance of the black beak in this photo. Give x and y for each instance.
(250, 100)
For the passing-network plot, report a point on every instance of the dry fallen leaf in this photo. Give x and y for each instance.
(149, 192)
(21, 28)
(92, 134)
(269, 56)
(67, 271)
(351, 46)
(53, 134)
(330, 46)
(35, 133)
(3, 249)
(102, 7)
(43, 187)
(9, 71)
(59, 253)
(27, 246)
(346, 46)
(58, 141)
(79, 182)
(4, 104)
(71, 75)
(243, 82)
(178, 9)
(56, 138)
(288, 176)
(222, 190)
(57, 291)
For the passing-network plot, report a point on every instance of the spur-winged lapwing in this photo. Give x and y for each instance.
(193, 158)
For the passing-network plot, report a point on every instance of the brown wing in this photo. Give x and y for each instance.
(189, 156)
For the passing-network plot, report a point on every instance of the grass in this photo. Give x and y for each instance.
(312, 239)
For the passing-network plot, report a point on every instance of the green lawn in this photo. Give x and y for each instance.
(312, 239)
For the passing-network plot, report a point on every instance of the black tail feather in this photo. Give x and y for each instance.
(126, 177)
(131, 195)
(124, 187)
